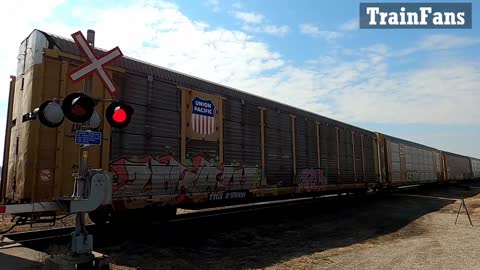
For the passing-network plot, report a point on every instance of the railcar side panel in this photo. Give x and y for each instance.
(475, 167)
(407, 163)
(457, 167)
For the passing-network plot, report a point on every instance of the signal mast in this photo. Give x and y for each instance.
(93, 187)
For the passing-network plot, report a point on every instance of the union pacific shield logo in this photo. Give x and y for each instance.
(203, 116)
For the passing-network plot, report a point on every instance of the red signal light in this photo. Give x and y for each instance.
(119, 114)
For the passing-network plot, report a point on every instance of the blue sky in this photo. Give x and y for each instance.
(421, 85)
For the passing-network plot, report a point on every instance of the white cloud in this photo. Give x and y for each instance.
(249, 17)
(274, 30)
(237, 5)
(445, 41)
(254, 23)
(441, 42)
(214, 5)
(350, 25)
(314, 31)
(309, 29)
(366, 90)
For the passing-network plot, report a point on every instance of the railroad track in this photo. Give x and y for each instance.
(40, 239)
(34, 238)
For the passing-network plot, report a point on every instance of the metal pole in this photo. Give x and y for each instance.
(81, 186)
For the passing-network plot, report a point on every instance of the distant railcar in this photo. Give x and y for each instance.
(475, 164)
(457, 167)
(407, 163)
(193, 143)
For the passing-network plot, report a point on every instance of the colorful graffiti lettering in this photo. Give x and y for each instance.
(167, 176)
(310, 180)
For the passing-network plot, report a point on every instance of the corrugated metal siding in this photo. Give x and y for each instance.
(346, 155)
(207, 149)
(475, 167)
(328, 152)
(413, 162)
(136, 145)
(369, 155)
(278, 148)
(241, 133)
(458, 167)
(358, 157)
(241, 125)
(155, 125)
(306, 143)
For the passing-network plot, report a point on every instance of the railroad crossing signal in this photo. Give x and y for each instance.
(118, 114)
(95, 63)
(80, 108)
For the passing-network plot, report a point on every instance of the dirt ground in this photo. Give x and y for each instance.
(414, 230)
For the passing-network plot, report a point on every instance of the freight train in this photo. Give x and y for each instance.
(194, 143)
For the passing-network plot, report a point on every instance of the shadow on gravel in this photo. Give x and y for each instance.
(263, 238)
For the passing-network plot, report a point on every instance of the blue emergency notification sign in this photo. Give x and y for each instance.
(88, 137)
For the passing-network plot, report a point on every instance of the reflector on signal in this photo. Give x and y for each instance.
(119, 114)
(50, 113)
(78, 107)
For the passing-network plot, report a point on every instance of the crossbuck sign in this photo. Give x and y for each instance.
(94, 63)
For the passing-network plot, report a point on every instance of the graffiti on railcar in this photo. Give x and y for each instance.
(165, 175)
(311, 179)
(412, 175)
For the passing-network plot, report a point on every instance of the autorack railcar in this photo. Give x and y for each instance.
(475, 162)
(457, 167)
(192, 142)
(405, 163)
